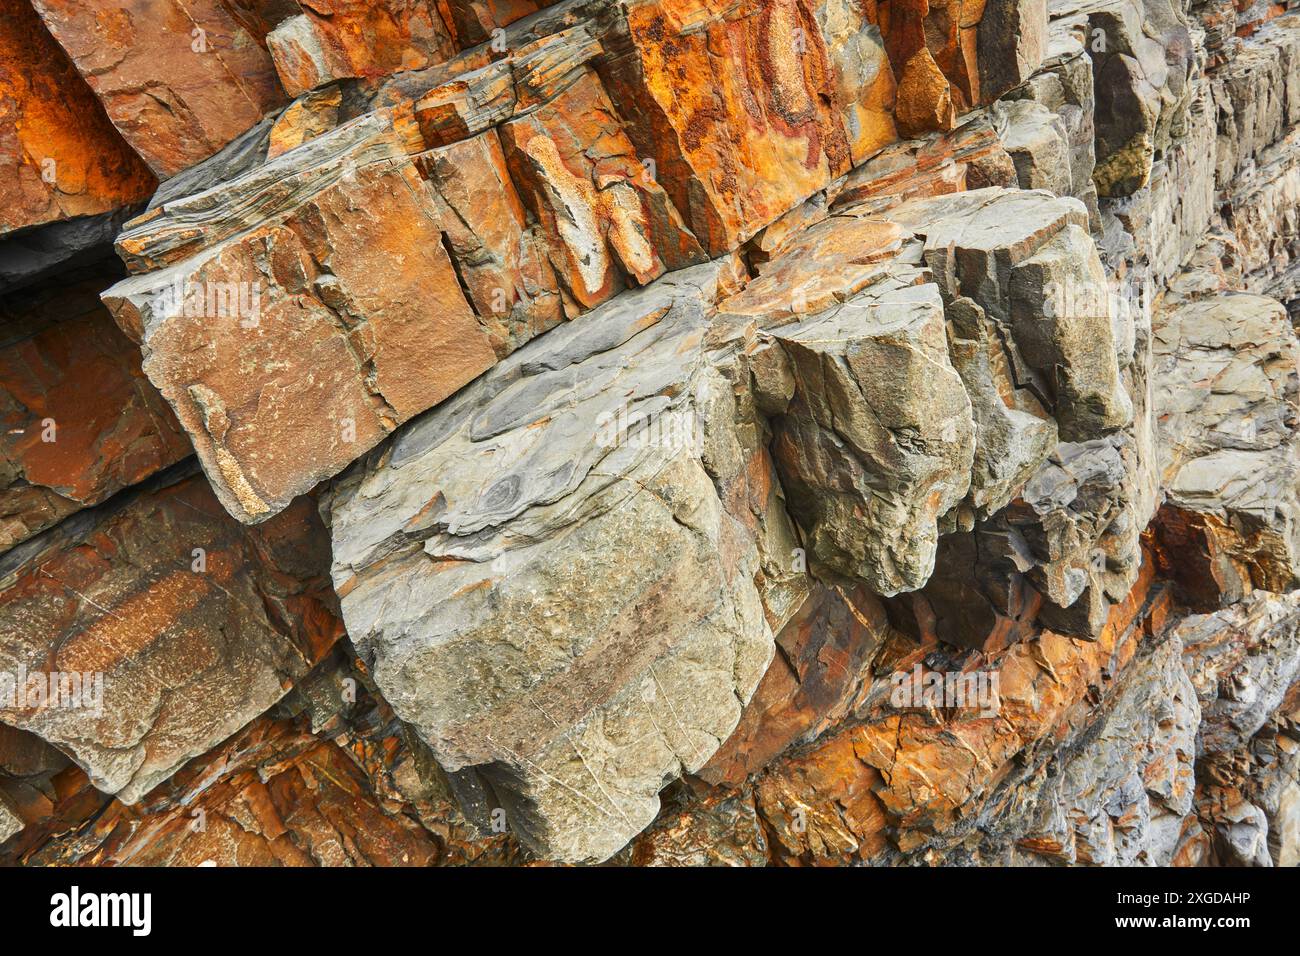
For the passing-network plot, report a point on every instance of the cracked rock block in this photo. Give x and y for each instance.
(1265, 220)
(1142, 60)
(178, 625)
(78, 419)
(61, 158)
(1026, 259)
(291, 344)
(1038, 143)
(1228, 403)
(499, 253)
(178, 80)
(341, 39)
(746, 110)
(603, 214)
(1063, 87)
(1258, 94)
(1033, 334)
(10, 822)
(1016, 368)
(579, 622)
(1012, 42)
(876, 440)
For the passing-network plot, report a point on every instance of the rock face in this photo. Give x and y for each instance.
(80, 421)
(178, 80)
(153, 603)
(1228, 388)
(598, 436)
(62, 159)
(662, 432)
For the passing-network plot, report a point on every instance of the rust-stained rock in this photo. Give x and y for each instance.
(178, 80)
(717, 830)
(139, 633)
(498, 251)
(327, 778)
(78, 419)
(750, 432)
(61, 157)
(917, 777)
(306, 118)
(340, 39)
(293, 347)
(756, 129)
(818, 677)
(924, 97)
(607, 221)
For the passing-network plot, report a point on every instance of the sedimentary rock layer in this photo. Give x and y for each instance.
(666, 432)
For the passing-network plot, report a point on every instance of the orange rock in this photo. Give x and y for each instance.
(306, 118)
(179, 80)
(498, 254)
(925, 102)
(337, 39)
(605, 217)
(78, 419)
(60, 156)
(158, 590)
(736, 107)
(908, 778)
(813, 683)
(474, 21)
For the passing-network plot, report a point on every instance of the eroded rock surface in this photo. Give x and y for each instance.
(771, 432)
(178, 625)
(1227, 380)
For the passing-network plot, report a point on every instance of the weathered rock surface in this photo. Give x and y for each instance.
(1243, 662)
(179, 625)
(342, 39)
(534, 626)
(327, 778)
(1228, 401)
(78, 420)
(319, 330)
(745, 433)
(178, 80)
(61, 156)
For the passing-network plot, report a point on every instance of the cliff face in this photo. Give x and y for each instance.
(664, 432)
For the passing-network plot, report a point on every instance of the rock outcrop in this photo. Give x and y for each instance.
(662, 432)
